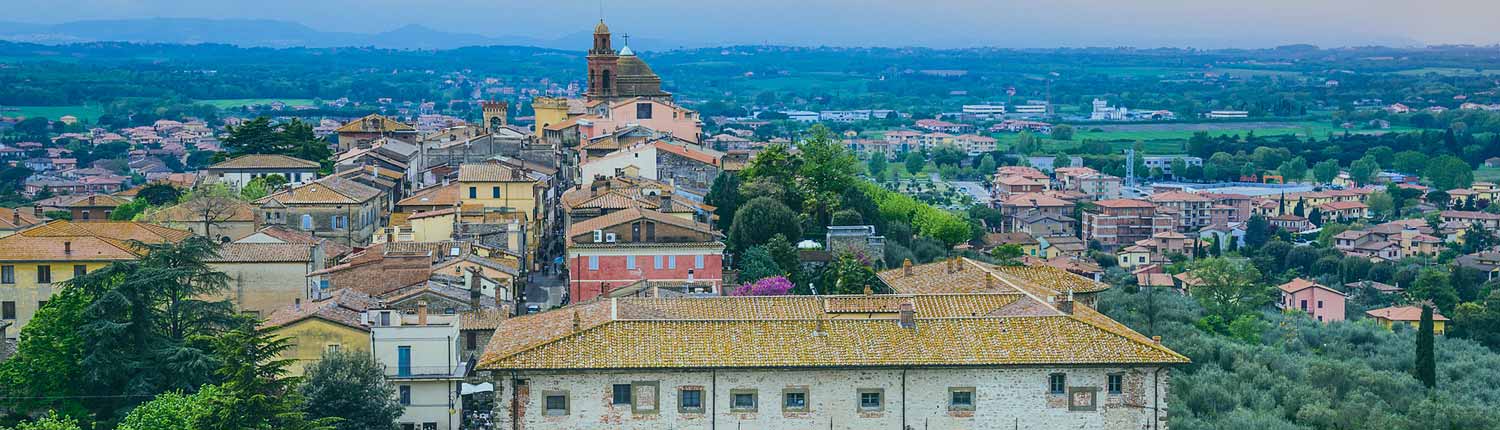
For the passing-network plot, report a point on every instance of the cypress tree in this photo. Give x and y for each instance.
(1426, 362)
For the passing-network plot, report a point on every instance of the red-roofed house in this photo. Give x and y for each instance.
(623, 247)
(1323, 303)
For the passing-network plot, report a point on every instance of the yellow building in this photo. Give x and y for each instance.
(1486, 190)
(336, 323)
(504, 192)
(548, 111)
(33, 262)
(432, 226)
(1407, 315)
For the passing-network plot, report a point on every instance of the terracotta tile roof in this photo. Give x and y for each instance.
(483, 319)
(967, 276)
(263, 253)
(695, 154)
(1034, 200)
(443, 195)
(1403, 313)
(97, 201)
(240, 212)
(331, 248)
(85, 241)
(999, 329)
(1123, 203)
(490, 172)
(17, 218)
(375, 123)
(1378, 286)
(341, 307)
(1300, 284)
(1177, 196)
(265, 161)
(1342, 206)
(631, 214)
(329, 190)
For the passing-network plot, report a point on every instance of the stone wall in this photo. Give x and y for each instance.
(1004, 398)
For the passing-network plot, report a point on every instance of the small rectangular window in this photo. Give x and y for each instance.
(593, 262)
(871, 399)
(8, 310)
(473, 192)
(794, 400)
(690, 400)
(333, 348)
(643, 111)
(1116, 383)
(630, 262)
(671, 261)
(1056, 383)
(80, 270)
(7, 274)
(961, 399)
(43, 274)
(697, 261)
(471, 340)
(555, 403)
(495, 192)
(657, 262)
(742, 400)
(621, 395)
(405, 395)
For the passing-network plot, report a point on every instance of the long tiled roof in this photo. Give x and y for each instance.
(84, 241)
(810, 331)
(265, 161)
(968, 276)
(343, 307)
(330, 190)
(1020, 325)
(630, 214)
(443, 195)
(263, 253)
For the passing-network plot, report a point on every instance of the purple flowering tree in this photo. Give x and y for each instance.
(772, 286)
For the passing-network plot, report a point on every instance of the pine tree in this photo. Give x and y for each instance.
(1426, 361)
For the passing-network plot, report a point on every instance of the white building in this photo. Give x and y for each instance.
(844, 115)
(1031, 108)
(238, 171)
(1223, 114)
(421, 357)
(985, 110)
(1103, 112)
(1164, 162)
(1023, 356)
(801, 115)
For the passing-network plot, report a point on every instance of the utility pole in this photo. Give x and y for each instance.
(1130, 167)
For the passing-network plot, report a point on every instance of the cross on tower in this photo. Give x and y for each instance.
(626, 37)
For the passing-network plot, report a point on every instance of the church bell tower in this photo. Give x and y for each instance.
(602, 60)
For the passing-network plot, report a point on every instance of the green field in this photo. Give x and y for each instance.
(1490, 174)
(235, 103)
(1171, 138)
(1449, 71)
(85, 113)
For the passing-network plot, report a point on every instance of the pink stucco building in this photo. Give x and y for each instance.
(1323, 303)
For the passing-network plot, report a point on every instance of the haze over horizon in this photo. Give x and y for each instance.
(938, 24)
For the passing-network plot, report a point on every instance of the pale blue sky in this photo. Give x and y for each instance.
(938, 23)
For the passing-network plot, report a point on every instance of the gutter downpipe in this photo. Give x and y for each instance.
(1156, 397)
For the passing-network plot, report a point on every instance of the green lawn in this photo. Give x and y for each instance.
(235, 103)
(85, 113)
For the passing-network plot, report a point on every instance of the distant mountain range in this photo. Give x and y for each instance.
(279, 34)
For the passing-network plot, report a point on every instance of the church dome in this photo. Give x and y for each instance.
(601, 28)
(631, 65)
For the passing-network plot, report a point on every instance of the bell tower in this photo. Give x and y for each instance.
(602, 60)
(494, 115)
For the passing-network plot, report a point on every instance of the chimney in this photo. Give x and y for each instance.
(297, 304)
(475, 291)
(577, 322)
(68, 248)
(906, 266)
(15, 217)
(1156, 340)
(989, 281)
(91, 200)
(422, 312)
(948, 265)
(666, 201)
(1065, 303)
(869, 291)
(958, 264)
(36, 211)
(908, 316)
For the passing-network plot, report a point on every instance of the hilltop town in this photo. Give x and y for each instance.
(605, 254)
